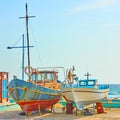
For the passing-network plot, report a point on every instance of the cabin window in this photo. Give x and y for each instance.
(46, 77)
(91, 83)
(50, 76)
(34, 76)
(82, 83)
(40, 77)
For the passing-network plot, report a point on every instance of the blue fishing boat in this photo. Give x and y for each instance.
(40, 91)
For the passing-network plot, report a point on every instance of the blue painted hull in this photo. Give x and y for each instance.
(25, 93)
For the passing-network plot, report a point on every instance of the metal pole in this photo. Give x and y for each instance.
(23, 59)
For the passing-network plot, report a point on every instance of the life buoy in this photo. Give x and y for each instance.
(28, 70)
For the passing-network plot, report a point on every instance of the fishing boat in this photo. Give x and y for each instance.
(40, 91)
(83, 92)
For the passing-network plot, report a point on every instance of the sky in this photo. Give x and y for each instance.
(83, 33)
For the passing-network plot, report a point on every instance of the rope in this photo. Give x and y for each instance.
(36, 47)
(17, 41)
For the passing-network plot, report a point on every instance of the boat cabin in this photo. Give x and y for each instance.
(46, 78)
(91, 83)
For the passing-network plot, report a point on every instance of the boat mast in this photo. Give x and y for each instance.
(87, 74)
(27, 36)
(28, 51)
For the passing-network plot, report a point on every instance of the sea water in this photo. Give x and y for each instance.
(114, 91)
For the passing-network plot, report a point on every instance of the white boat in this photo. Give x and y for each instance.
(84, 92)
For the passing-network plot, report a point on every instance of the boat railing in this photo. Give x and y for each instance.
(103, 86)
(43, 81)
(91, 86)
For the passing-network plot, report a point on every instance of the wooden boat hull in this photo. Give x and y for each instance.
(84, 96)
(36, 105)
(32, 98)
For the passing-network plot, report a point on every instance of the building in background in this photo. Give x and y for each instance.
(3, 87)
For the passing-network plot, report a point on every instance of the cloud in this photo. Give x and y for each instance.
(95, 5)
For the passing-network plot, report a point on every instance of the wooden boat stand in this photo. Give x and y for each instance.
(85, 111)
(39, 110)
(52, 109)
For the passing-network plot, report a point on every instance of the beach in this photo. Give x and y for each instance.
(110, 114)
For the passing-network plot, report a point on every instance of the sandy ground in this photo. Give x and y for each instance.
(112, 114)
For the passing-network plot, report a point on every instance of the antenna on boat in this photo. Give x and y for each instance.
(87, 74)
(73, 68)
(26, 17)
